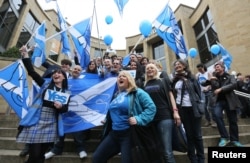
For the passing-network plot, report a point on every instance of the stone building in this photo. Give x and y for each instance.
(224, 21)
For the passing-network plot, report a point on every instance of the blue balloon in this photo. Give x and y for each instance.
(215, 49)
(108, 40)
(109, 19)
(145, 28)
(192, 52)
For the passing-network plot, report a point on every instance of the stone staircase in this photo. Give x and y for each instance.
(9, 149)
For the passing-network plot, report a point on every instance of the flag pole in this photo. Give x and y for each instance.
(94, 13)
(139, 40)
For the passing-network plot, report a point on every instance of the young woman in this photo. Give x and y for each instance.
(45, 131)
(92, 67)
(118, 139)
(166, 111)
(187, 90)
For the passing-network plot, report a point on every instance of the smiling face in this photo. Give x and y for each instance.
(76, 72)
(151, 71)
(58, 78)
(179, 67)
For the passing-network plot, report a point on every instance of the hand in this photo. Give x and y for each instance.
(57, 105)
(132, 121)
(217, 91)
(24, 51)
(177, 119)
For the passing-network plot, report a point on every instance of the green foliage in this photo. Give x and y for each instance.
(11, 53)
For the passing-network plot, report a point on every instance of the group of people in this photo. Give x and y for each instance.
(157, 99)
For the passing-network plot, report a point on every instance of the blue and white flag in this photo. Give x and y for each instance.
(226, 57)
(89, 102)
(81, 33)
(64, 37)
(125, 60)
(120, 5)
(38, 56)
(167, 28)
(14, 87)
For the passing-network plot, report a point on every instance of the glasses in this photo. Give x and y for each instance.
(115, 63)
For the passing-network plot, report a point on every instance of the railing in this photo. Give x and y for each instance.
(242, 94)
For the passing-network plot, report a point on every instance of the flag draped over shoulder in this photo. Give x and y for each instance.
(89, 102)
(120, 5)
(14, 87)
(64, 37)
(226, 57)
(81, 33)
(167, 28)
(38, 56)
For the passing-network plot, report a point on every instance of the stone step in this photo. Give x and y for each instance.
(96, 132)
(9, 143)
(11, 156)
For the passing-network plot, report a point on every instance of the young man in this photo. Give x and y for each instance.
(228, 101)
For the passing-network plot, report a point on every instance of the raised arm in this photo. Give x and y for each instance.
(29, 67)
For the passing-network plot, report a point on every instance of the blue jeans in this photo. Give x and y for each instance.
(165, 128)
(192, 126)
(113, 143)
(232, 119)
(78, 140)
(207, 107)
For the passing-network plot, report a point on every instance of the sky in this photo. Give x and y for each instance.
(134, 12)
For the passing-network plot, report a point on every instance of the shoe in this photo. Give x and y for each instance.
(49, 155)
(82, 154)
(213, 125)
(223, 142)
(208, 123)
(236, 144)
(24, 153)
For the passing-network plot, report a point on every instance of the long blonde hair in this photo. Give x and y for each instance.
(131, 81)
(156, 76)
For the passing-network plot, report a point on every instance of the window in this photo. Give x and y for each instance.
(28, 29)
(98, 53)
(206, 36)
(159, 54)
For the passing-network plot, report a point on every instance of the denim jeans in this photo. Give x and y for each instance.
(112, 144)
(208, 117)
(192, 126)
(78, 140)
(165, 128)
(232, 119)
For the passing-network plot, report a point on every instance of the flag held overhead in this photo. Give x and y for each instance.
(167, 28)
(81, 33)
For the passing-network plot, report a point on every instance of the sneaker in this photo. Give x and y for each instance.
(49, 155)
(208, 123)
(223, 142)
(213, 125)
(24, 152)
(236, 144)
(82, 154)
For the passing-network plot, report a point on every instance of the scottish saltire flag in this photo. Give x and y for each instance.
(120, 5)
(167, 28)
(64, 38)
(14, 87)
(38, 56)
(226, 57)
(89, 102)
(81, 33)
